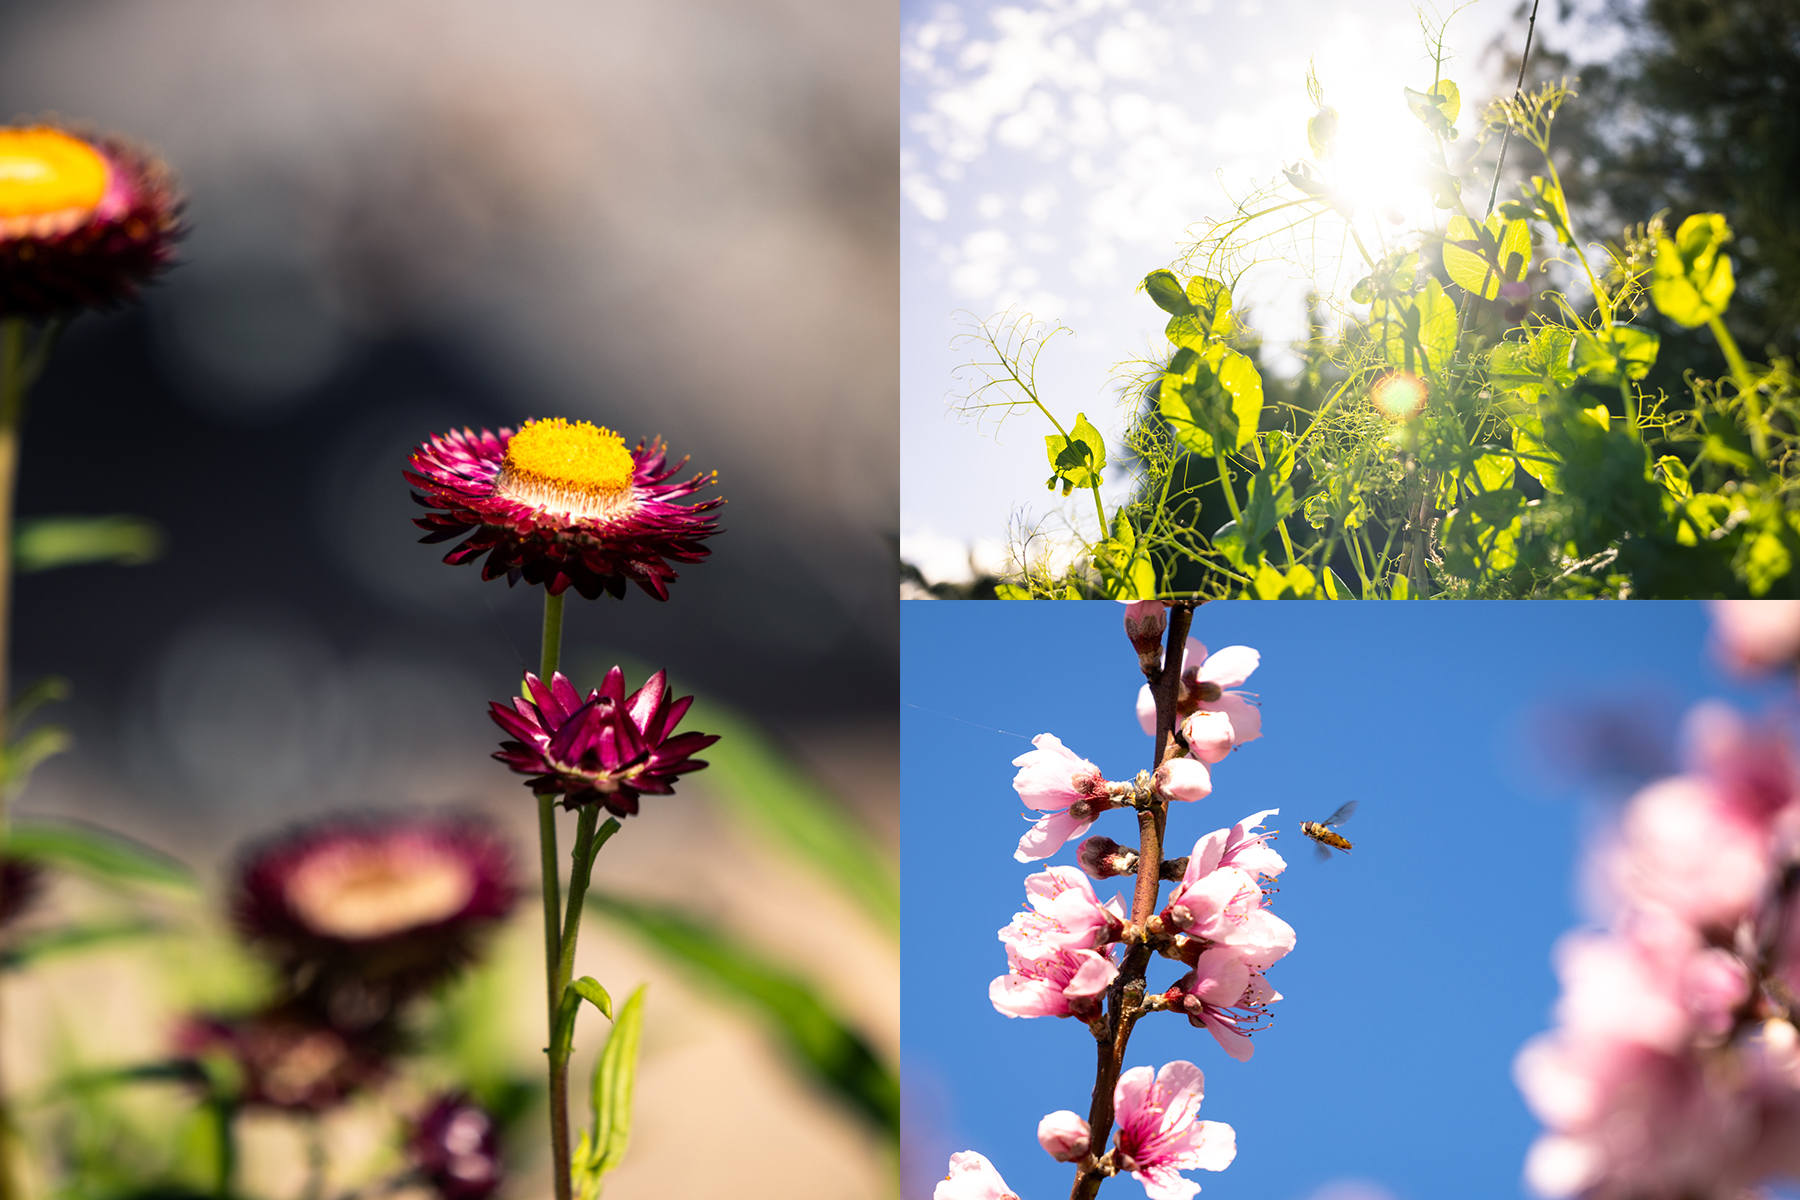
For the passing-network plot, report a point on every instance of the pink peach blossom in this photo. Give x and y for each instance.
(1160, 1134)
(1209, 735)
(1052, 982)
(972, 1177)
(1066, 787)
(1204, 681)
(1226, 998)
(1145, 621)
(1064, 1136)
(1064, 913)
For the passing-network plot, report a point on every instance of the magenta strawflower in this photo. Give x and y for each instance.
(84, 222)
(1160, 1133)
(606, 749)
(455, 1148)
(359, 911)
(972, 1177)
(561, 503)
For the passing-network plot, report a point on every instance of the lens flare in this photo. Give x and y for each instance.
(1399, 395)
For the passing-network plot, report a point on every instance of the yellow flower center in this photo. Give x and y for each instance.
(46, 173)
(574, 467)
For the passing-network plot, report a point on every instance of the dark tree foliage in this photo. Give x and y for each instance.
(1698, 112)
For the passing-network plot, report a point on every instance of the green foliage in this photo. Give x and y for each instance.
(1447, 437)
(602, 1149)
(41, 543)
(829, 1050)
(101, 854)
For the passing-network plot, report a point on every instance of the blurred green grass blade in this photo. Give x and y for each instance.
(70, 938)
(823, 1044)
(770, 791)
(98, 852)
(43, 543)
(615, 1076)
(27, 752)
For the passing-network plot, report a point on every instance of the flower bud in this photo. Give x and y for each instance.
(1064, 1136)
(1208, 734)
(1103, 858)
(1184, 779)
(1145, 621)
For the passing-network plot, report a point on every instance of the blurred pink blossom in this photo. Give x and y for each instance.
(1066, 787)
(1160, 1133)
(1064, 1136)
(972, 1177)
(1756, 635)
(1204, 681)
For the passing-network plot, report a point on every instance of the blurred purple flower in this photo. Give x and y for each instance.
(456, 1147)
(281, 1058)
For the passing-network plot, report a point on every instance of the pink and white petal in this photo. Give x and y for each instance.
(1209, 735)
(1133, 1102)
(1246, 718)
(1262, 940)
(1048, 836)
(1146, 710)
(1095, 976)
(1220, 977)
(1180, 1087)
(1231, 1039)
(1166, 1183)
(1230, 666)
(1017, 996)
(972, 1177)
(1064, 1135)
(1213, 1147)
(1184, 779)
(1206, 855)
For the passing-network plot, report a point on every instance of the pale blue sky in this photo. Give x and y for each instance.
(1056, 151)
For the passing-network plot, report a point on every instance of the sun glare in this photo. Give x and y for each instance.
(1377, 158)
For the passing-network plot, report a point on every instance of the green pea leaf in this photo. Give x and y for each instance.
(1690, 280)
(1166, 290)
(1479, 258)
(1604, 355)
(1076, 460)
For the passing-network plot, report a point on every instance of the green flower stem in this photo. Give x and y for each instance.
(1237, 514)
(552, 873)
(1740, 371)
(224, 1115)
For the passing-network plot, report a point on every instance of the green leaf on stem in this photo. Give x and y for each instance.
(50, 943)
(589, 989)
(1077, 460)
(42, 543)
(1166, 290)
(822, 1043)
(615, 1074)
(100, 853)
(1605, 354)
(1480, 258)
(1691, 282)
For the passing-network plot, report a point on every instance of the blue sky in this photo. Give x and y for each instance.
(1053, 152)
(1423, 957)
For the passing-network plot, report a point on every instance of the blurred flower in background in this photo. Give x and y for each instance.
(408, 218)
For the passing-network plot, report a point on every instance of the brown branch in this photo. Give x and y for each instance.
(1126, 996)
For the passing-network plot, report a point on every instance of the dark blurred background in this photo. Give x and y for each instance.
(409, 215)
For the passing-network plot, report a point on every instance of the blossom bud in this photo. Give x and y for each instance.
(1145, 621)
(1064, 1136)
(1103, 858)
(1184, 779)
(1208, 734)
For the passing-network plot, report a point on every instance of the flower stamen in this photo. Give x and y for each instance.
(49, 182)
(571, 467)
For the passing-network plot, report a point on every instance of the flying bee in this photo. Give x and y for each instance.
(1322, 832)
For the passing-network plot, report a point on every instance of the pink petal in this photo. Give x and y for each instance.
(1064, 1136)
(1246, 719)
(1166, 1183)
(1233, 1041)
(1230, 666)
(972, 1177)
(1096, 975)
(1017, 996)
(1184, 779)
(1146, 710)
(1210, 735)
(1048, 835)
(1220, 977)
